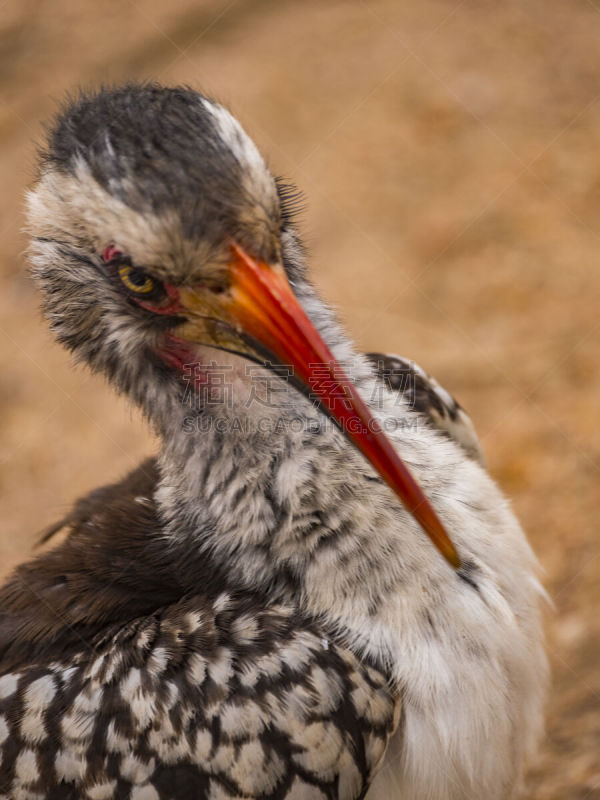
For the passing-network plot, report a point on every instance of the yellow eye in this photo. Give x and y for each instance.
(135, 280)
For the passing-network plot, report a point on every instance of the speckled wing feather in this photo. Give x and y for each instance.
(425, 396)
(127, 675)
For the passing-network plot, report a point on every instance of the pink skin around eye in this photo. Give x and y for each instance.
(171, 306)
(110, 252)
(176, 352)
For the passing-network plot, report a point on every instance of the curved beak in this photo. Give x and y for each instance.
(260, 304)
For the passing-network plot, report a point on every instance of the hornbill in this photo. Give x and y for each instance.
(314, 590)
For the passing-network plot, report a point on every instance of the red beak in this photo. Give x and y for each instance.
(263, 305)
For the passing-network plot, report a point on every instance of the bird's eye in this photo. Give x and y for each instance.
(136, 280)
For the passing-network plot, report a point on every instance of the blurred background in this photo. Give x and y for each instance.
(450, 156)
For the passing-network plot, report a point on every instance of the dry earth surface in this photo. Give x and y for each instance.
(449, 153)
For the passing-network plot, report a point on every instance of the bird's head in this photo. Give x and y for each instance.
(157, 228)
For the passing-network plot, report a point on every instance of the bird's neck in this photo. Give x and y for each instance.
(263, 482)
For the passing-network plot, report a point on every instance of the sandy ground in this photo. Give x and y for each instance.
(449, 156)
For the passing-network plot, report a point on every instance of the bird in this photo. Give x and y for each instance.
(314, 590)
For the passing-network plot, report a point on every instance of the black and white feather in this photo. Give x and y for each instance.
(134, 675)
(425, 396)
